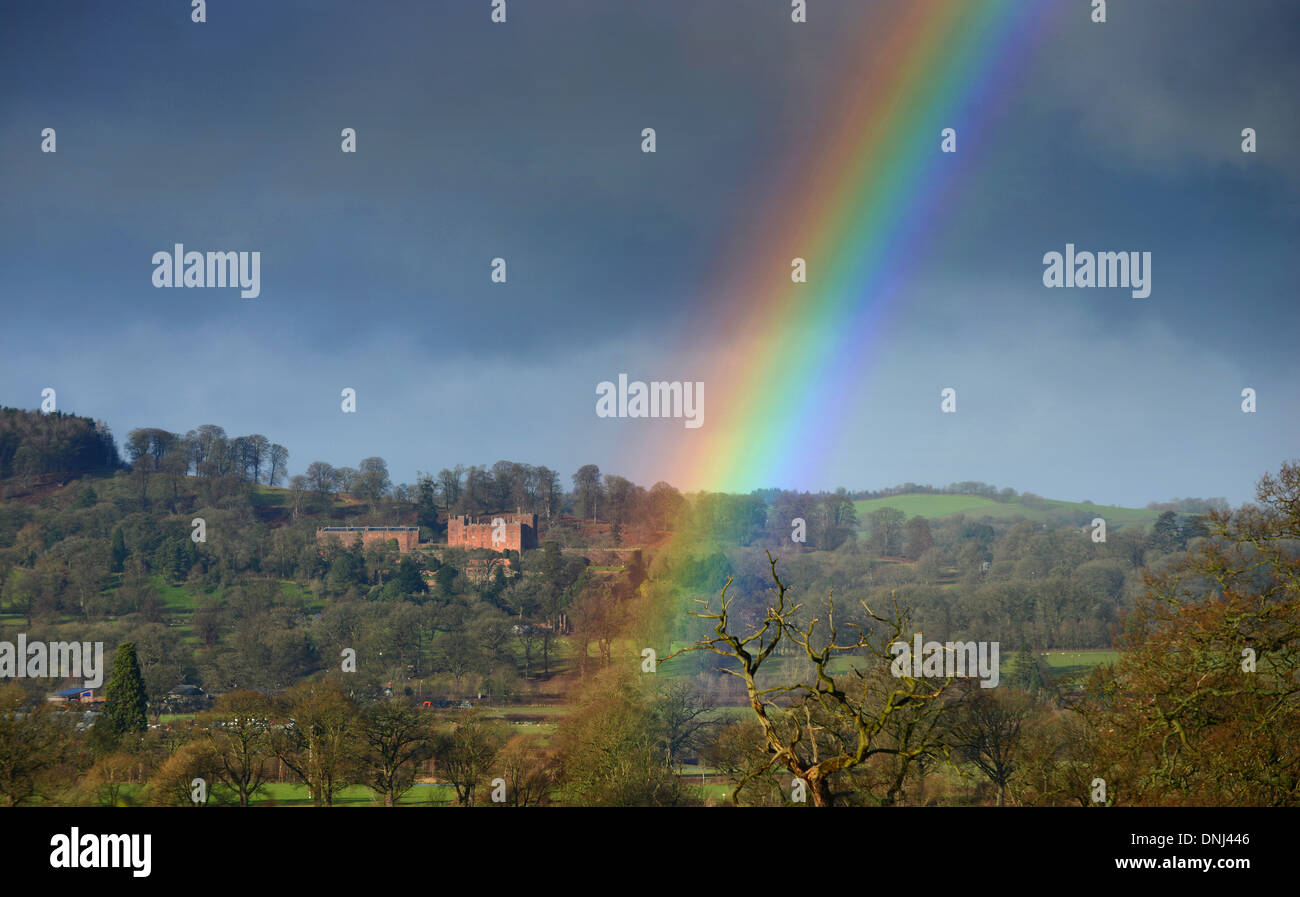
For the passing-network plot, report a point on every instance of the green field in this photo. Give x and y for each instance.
(1068, 659)
(975, 507)
(1071, 668)
(178, 599)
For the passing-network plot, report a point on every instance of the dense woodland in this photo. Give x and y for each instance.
(53, 446)
(95, 546)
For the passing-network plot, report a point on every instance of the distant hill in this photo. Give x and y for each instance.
(976, 506)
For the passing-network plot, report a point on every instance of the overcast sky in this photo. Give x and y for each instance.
(522, 141)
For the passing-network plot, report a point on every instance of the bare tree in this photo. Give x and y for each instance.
(528, 770)
(684, 715)
(241, 741)
(320, 742)
(257, 455)
(277, 459)
(986, 732)
(321, 476)
(372, 482)
(467, 753)
(397, 740)
(175, 464)
(299, 485)
(143, 466)
(821, 724)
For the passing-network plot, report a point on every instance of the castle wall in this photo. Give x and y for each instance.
(408, 537)
(520, 533)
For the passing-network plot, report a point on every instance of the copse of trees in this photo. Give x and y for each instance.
(965, 487)
(208, 453)
(1184, 506)
(327, 739)
(1193, 506)
(475, 490)
(54, 446)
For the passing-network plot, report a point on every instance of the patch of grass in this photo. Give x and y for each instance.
(1065, 659)
(291, 589)
(526, 710)
(691, 769)
(166, 719)
(715, 793)
(1070, 668)
(177, 599)
(266, 497)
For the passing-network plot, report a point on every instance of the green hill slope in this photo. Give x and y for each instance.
(975, 507)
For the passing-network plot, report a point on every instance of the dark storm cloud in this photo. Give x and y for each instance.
(521, 141)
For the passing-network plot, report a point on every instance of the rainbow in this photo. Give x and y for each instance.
(858, 209)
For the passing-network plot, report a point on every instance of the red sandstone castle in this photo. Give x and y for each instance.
(407, 537)
(511, 531)
(498, 532)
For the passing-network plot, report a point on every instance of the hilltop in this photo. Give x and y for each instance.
(1041, 510)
